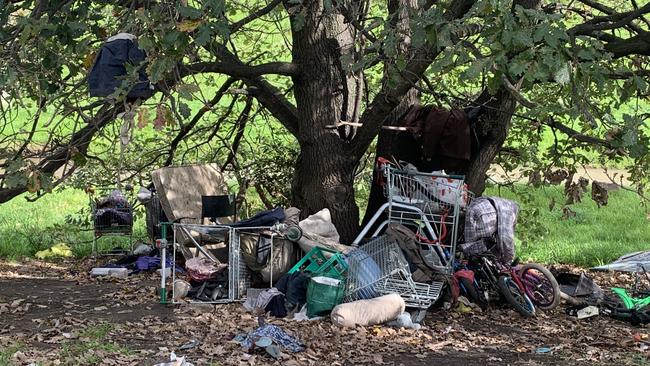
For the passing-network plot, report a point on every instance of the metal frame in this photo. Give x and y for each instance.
(233, 260)
(112, 230)
(414, 201)
(379, 268)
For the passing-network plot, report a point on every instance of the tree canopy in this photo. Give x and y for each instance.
(253, 85)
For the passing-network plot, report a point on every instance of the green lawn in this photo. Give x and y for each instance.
(27, 227)
(595, 235)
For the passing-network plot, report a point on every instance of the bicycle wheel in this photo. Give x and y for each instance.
(472, 292)
(540, 286)
(515, 297)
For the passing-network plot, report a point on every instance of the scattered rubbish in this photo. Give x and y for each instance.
(258, 300)
(368, 312)
(56, 251)
(543, 350)
(202, 269)
(323, 294)
(302, 315)
(277, 334)
(110, 272)
(587, 312)
(264, 342)
(628, 262)
(142, 249)
(168, 272)
(175, 361)
(273, 351)
(181, 289)
(189, 345)
(629, 301)
(404, 321)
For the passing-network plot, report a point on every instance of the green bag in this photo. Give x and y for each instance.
(323, 294)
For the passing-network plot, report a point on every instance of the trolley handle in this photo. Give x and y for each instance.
(405, 172)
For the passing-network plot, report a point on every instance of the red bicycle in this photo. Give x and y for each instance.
(539, 284)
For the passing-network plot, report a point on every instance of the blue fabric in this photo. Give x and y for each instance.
(109, 70)
(264, 218)
(146, 263)
(367, 273)
(277, 334)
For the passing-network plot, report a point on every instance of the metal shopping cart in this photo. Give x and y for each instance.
(111, 215)
(428, 203)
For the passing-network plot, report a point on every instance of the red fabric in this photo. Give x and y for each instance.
(455, 280)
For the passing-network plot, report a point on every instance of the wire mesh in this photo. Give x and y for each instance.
(239, 276)
(430, 204)
(379, 268)
(111, 215)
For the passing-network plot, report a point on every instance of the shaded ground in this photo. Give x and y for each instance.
(56, 314)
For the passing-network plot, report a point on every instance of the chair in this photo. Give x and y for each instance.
(215, 207)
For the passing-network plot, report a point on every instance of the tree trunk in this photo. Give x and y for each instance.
(491, 131)
(324, 177)
(326, 94)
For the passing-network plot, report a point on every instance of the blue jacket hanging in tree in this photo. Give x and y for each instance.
(109, 69)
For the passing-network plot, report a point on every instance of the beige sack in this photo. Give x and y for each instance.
(321, 224)
(368, 312)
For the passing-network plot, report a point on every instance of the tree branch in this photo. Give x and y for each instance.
(577, 135)
(256, 15)
(265, 93)
(197, 117)
(241, 70)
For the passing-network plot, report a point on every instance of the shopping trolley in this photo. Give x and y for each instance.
(428, 203)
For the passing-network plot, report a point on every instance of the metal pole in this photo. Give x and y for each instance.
(162, 244)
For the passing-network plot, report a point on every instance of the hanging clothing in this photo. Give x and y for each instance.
(444, 136)
(110, 68)
(491, 217)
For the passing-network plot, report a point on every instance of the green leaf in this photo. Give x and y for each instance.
(189, 12)
(185, 90)
(184, 110)
(204, 35)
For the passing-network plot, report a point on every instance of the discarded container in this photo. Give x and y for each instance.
(323, 294)
(587, 312)
(110, 272)
(168, 272)
(181, 288)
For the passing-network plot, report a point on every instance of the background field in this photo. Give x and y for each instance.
(595, 235)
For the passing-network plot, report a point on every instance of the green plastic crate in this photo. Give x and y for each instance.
(317, 263)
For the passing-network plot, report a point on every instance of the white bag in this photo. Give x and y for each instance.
(320, 223)
(368, 312)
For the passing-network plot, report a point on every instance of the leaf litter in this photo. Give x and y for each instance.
(107, 322)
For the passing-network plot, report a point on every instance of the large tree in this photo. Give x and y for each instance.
(569, 67)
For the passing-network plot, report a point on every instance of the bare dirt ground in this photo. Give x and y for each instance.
(58, 315)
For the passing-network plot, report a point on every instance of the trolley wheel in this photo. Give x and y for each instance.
(515, 297)
(540, 286)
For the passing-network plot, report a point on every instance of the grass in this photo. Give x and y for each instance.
(594, 236)
(91, 343)
(7, 353)
(59, 217)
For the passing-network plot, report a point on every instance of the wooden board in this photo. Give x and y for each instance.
(180, 189)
